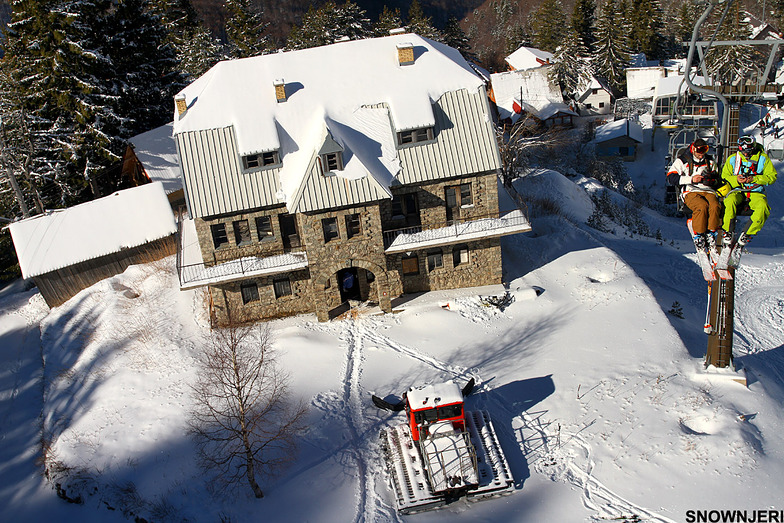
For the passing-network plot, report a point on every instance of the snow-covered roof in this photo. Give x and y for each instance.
(431, 396)
(64, 237)
(618, 128)
(529, 58)
(669, 85)
(157, 152)
(530, 90)
(330, 89)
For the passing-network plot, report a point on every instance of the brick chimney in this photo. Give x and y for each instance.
(280, 89)
(179, 102)
(405, 53)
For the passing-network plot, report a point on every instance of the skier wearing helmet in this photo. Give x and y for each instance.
(749, 171)
(696, 173)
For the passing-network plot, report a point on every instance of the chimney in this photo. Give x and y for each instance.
(280, 89)
(405, 53)
(179, 102)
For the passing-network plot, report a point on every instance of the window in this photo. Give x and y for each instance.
(331, 162)
(241, 232)
(587, 106)
(404, 207)
(410, 264)
(264, 228)
(414, 136)
(601, 104)
(330, 226)
(254, 161)
(219, 236)
(459, 195)
(282, 287)
(435, 259)
(250, 292)
(594, 91)
(459, 255)
(353, 225)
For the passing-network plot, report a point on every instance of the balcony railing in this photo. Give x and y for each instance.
(465, 229)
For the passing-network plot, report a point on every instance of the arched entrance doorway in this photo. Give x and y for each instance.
(341, 287)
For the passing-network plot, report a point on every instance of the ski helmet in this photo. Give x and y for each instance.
(746, 145)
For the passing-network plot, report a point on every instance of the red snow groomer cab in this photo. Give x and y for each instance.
(443, 452)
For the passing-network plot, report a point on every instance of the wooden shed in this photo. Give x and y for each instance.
(67, 250)
(619, 138)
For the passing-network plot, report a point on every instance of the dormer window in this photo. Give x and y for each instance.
(330, 155)
(260, 160)
(415, 136)
(331, 162)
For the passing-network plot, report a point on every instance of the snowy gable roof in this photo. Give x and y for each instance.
(531, 90)
(617, 129)
(529, 58)
(669, 85)
(332, 85)
(157, 152)
(64, 237)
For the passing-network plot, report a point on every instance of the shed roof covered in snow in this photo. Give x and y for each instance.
(529, 58)
(65, 237)
(157, 152)
(356, 94)
(618, 129)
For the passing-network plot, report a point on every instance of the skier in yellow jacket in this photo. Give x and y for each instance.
(749, 170)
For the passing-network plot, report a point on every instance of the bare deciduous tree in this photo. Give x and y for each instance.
(244, 422)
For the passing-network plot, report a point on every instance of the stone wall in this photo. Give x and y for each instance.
(316, 289)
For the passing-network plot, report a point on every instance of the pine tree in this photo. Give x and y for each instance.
(198, 51)
(455, 37)
(611, 52)
(727, 64)
(245, 29)
(583, 19)
(420, 24)
(680, 25)
(144, 67)
(570, 69)
(547, 24)
(646, 19)
(195, 48)
(329, 24)
(388, 19)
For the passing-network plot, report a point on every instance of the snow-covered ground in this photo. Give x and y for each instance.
(596, 388)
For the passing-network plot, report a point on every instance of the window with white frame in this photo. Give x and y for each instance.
(435, 260)
(459, 255)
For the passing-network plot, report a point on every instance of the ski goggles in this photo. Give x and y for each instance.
(702, 149)
(746, 144)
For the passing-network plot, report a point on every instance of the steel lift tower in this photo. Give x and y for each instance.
(754, 86)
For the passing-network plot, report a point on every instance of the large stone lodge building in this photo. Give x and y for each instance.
(360, 170)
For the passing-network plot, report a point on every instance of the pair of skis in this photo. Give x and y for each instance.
(714, 264)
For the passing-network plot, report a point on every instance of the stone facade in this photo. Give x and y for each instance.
(352, 240)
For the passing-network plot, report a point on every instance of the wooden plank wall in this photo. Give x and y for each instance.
(59, 286)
